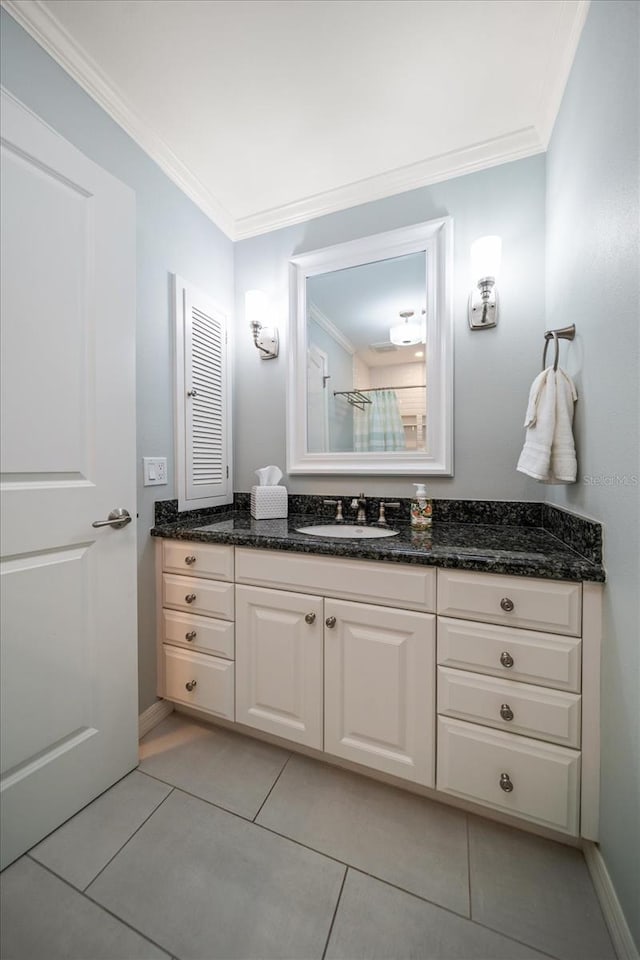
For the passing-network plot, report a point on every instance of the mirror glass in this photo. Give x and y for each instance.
(370, 376)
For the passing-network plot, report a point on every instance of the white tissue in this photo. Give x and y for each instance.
(269, 476)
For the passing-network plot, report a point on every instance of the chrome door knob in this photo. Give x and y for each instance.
(192, 393)
(191, 635)
(191, 685)
(190, 560)
(506, 659)
(310, 618)
(507, 604)
(505, 783)
(190, 597)
(117, 519)
(506, 712)
(330, 622)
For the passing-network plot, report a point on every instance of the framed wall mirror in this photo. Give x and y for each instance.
(370, 380)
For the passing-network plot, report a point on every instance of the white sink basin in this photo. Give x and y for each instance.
(346, 531)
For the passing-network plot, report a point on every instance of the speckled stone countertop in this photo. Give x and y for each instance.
(523, 549)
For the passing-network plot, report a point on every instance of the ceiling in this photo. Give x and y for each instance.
(269, 112)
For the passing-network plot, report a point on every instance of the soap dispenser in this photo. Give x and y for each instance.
(421, 509)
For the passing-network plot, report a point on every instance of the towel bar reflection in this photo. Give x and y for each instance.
(564, 333)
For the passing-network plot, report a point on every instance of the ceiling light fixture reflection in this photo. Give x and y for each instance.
(408, 332)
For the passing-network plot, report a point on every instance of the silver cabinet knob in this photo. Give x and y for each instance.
(191, 685)
(191, 635)
(190, 560)
(505, 783)
(506, 659)
(507, 604)
(117, 519)
(330, 622)
(190, 597)
(506, 712)
(310, 618)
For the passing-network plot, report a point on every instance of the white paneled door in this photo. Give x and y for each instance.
(69, 690)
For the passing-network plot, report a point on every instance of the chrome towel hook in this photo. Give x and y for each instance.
(565, 333)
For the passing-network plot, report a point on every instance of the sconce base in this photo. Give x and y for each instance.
(482, 310)
(267, 342)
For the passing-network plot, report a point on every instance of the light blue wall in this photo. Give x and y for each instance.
(593, 262)
(340, 367)
(173, 236)
(490, 365)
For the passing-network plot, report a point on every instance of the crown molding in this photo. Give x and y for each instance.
(490, 153)
(329, 327)
(562, 47)
(45, 29)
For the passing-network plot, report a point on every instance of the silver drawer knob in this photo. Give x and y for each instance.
(506, 712)
(310, 618)
(191, 635)
(505, 783)
(330, 622)
(507, 604)
(506, 659)
(191, 685)
(190, 597)
(190, 560)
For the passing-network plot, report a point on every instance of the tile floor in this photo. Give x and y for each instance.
(223, 847)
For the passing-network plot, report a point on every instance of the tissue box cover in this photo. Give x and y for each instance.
(268, 503)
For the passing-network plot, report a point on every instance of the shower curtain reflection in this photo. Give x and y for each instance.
(379, 425)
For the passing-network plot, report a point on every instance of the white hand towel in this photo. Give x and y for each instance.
(549, 451)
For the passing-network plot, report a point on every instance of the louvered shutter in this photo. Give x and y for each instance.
(205, 465)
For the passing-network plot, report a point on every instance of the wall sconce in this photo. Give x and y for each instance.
(408, 332)
(485, 267)
(265, 337)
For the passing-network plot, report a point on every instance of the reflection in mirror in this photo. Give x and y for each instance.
(370, 362)
(366, 393)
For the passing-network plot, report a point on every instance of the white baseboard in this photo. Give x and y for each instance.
(152, 716)
(614, 917)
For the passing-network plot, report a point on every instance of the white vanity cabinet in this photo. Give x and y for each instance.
(509, 697)
(195, 613)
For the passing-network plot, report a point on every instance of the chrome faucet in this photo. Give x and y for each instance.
(359, 504)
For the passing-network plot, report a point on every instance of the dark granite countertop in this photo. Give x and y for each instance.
(523, 550)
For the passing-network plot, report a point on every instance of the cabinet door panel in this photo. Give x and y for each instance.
(379, 688)
(279, 663)
(199, 681)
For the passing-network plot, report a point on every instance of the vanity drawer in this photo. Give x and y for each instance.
(409, 586)
(473, 761)
(198, 633)
(540, 658)
(211, 680)
(550, 605)
(209, 597)
(197, 559)
(535, 712)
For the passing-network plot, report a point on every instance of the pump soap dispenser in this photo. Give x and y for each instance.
(421, 509)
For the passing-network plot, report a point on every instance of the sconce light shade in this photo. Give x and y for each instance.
(265, 337)
(407, 333)
(486, 256)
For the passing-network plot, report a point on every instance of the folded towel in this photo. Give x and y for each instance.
(549, 451)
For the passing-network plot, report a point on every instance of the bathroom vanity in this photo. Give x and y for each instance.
(469, 671)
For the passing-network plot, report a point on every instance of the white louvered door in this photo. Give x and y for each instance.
(204, 433)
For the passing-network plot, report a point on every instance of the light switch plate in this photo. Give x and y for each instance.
(154, 471)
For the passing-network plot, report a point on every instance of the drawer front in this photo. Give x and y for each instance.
(550, 605)
(210, 679)
(407, 586)
(545, 778)
(534, 711)
(198, 633)
(540, 658)
(198, 559)
(209, 597)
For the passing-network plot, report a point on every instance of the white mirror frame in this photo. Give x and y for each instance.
(435, 239)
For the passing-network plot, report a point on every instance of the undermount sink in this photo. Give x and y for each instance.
(346, 531)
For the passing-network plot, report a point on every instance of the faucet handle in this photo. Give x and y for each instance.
(338, 505)
(389, 503)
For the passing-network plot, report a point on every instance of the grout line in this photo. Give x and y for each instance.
(128, 840)
(270, 791)
(335, 913)
(99, 905)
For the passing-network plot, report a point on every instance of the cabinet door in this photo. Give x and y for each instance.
(279, 663)
(379, 688)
